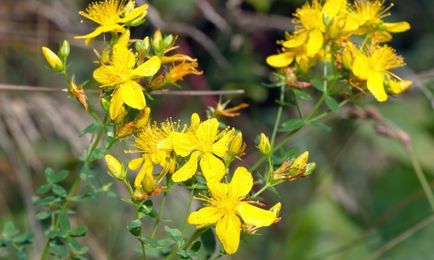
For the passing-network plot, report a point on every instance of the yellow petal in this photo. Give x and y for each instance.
(332, 7)
(360, 67)
(213, 169)
(92, 34)
(400, 86)
(137, 12)
(187, 170)
(122, 57)
(116, 104)
(132, 95)
(397, 27)
(205, 216)
(375, 85)
(255, 216)
(280, 60)
(315, 42)
(134, 164)
(183, 144)
(241, 183)
(220, 148)
(296, 41)
(206, 132)
(124, 39)
(146, 169)
(148, 68)
(218, 190)
(99, 30)
(106, 75)
(228, 231)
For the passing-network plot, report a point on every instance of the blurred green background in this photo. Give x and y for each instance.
(363, 194)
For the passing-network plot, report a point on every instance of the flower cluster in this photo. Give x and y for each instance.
(350, 37)
(198, 155)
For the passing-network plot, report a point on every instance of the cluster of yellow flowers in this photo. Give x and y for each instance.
(201, 152)
(352, 38)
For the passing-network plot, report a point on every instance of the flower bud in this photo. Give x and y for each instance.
(237, 146)
(64, 49)
(115, 168)
(143, 118)
(264, 145)
(143, 46)
(157, 39)
(168, 41)
(52, 59)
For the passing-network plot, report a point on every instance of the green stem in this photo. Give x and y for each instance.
(266, 186)
(190, 200)
(160, 213)
(279, 114)
(421, 176)
(73, 190)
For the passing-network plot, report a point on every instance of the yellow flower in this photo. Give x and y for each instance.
(206, 146)
(148, 143)
(227, 209)
(374, 68)
(111, 15)
(122, 74)
(369, 13)
(312, 22)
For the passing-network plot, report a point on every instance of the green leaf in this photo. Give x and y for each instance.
(49, 175)
(9, 230)
(25, 238)
(43, 215)
(135, 227)
(292, 125)
(302, 95)
(64, 223)
(208, 242)
(183, 254)
(92, 128)
(331, 103)
(321, 126)
(318, 84)
(61, 175)
(149, 241)
(79, 231)
(174, 233)
(77, 248)
(58, 190)
(44, 188)
(97, 154)
(60, 250)
(196, 246)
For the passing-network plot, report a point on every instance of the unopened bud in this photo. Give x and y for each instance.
(156, 41)
(52, 59)
(264, 145)
(64, 49)
(143, 46)
(237, 146)
(143, 118)
(115, 168)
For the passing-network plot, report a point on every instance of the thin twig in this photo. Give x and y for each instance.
(7, 87)
(401, 237)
